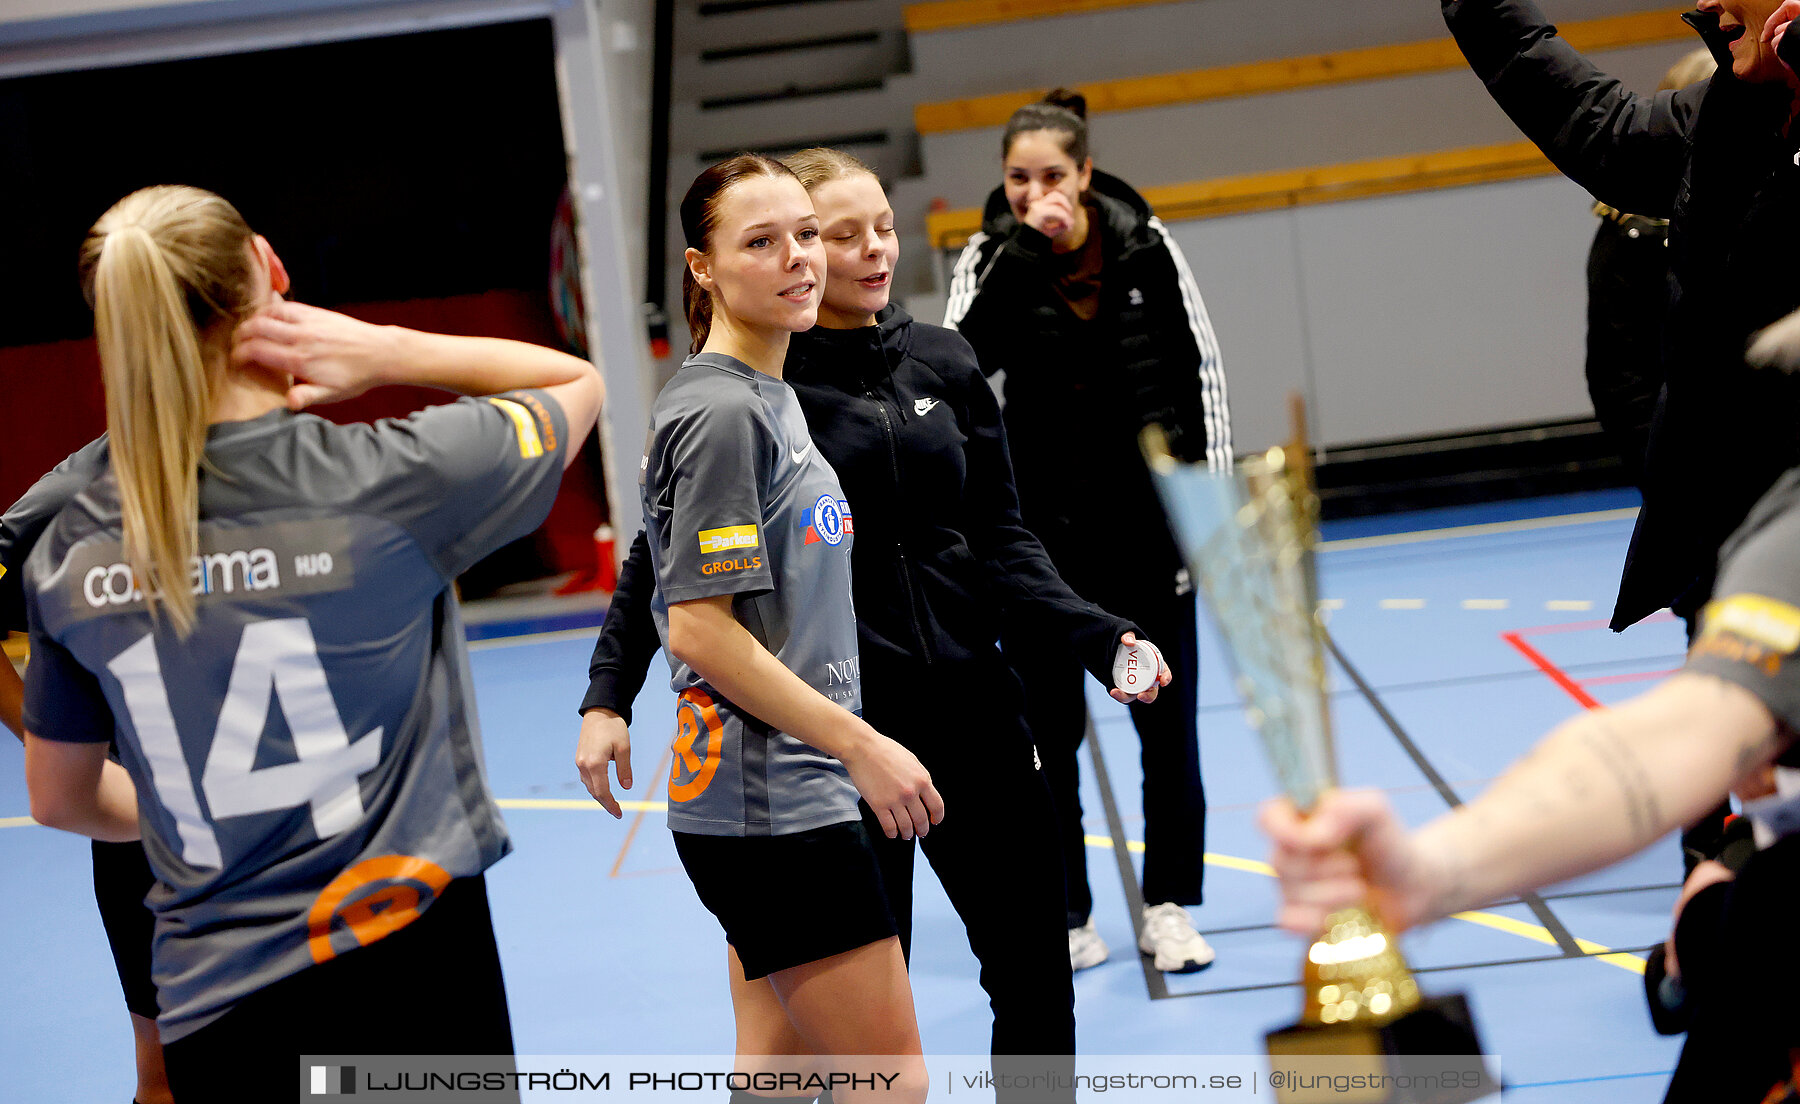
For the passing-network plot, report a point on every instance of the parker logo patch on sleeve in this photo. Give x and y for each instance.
(1765, 621)
(728, 539)
(531, 444)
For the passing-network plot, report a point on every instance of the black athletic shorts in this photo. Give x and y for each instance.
(122, 878)
(788, 900)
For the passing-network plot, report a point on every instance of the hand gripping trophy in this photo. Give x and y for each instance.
(1248, 536)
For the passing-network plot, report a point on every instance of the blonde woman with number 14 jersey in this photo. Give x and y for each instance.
(256, 604)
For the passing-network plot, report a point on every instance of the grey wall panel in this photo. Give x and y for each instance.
(1197, 34)
(1247, 272)
(1400, 316)
(1442, 311)
(808, 67)
(781, 23)
(752, 126)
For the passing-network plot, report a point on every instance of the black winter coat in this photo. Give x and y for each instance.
(1628, 297)
(1713, 159)
(1078, 392)
(903, 413)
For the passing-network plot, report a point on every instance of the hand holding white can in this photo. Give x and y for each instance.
(1136, 666)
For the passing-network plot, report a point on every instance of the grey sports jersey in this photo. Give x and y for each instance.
(307, 763)
(1750, 631)
(737, 501)
(25, 521)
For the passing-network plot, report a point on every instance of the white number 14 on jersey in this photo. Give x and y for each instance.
(276, 658)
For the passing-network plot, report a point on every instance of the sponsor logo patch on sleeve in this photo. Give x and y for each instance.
(531, 443)
(727, 539)
(1765, 621)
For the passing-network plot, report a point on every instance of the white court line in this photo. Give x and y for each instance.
(1521, 526)
(1403, 603)
(1485, 603)
(1565, 605)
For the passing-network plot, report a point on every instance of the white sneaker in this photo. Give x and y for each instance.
(1086, 948)
(1169, 935)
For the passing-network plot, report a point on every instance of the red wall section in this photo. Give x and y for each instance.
(53, 404)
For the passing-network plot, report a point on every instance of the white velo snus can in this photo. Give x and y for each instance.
(1135, 667)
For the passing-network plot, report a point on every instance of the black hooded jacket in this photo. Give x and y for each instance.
(903, 413)
(1713, 159)
(1077, 393)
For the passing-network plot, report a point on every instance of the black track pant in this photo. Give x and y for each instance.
(995, 852)
(433, 987)
(1168, 733)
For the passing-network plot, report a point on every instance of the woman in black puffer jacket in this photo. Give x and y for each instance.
(1076, 291)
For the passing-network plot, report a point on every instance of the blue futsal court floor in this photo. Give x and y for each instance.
(1474, 631)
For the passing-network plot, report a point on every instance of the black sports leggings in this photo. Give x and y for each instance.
(995, 852)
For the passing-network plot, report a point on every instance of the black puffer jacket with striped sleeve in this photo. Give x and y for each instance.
(1077, 392)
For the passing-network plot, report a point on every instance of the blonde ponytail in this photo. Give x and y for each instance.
(162, 268)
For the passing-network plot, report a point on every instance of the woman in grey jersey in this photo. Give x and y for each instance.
(749, 535)
(900, 410)
(256, 604)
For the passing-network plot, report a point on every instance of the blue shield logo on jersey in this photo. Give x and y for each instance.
(828, 520)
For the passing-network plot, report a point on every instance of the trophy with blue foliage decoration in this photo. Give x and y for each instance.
(1249, 536)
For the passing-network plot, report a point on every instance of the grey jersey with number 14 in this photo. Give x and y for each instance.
(307, 762)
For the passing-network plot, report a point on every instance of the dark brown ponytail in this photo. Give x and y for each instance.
(698, 305)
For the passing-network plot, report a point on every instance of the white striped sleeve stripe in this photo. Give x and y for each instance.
(1215, 408)
(963, 282)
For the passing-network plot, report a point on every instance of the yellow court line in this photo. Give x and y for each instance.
(578, 803)
(1622, 959)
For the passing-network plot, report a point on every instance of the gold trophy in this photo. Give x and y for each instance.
(1248, 537)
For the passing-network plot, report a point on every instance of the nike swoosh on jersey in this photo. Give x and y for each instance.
(800, 454)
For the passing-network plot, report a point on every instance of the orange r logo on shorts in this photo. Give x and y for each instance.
(696, 718)
(374, 898)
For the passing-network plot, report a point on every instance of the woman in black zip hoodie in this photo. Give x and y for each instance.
(1076, 291)
(904, 415)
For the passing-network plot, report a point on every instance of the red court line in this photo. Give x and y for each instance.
(1555, 673)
